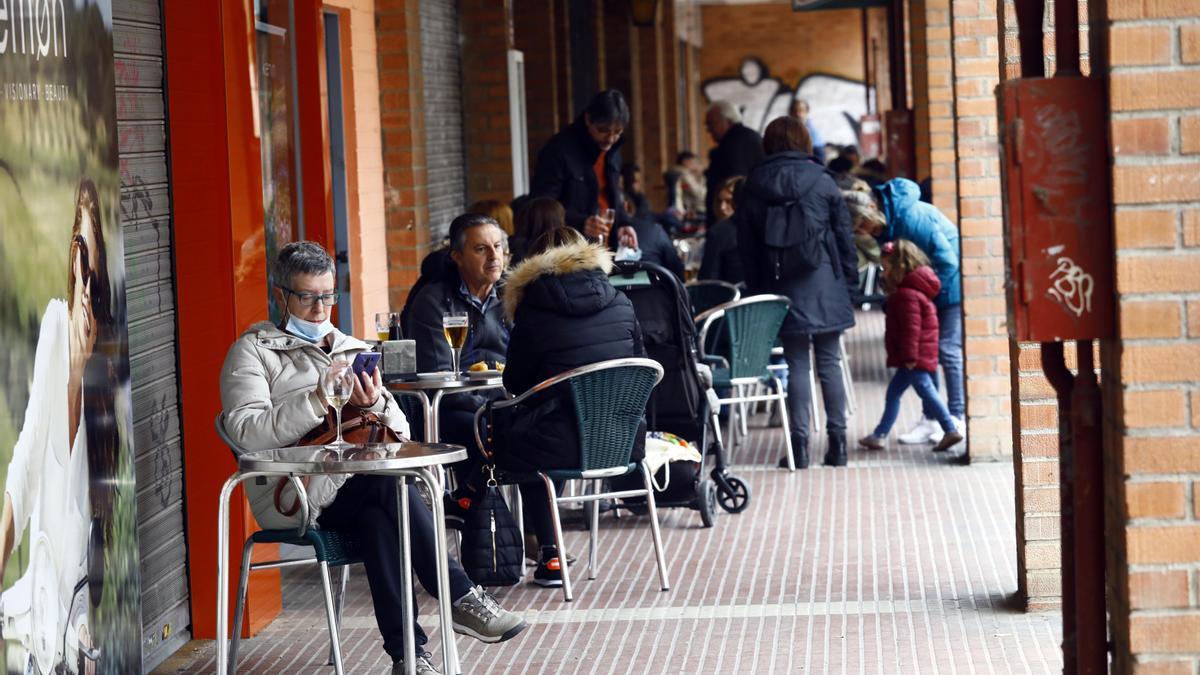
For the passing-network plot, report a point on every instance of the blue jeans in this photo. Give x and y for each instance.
(923, 382)
(950, 356)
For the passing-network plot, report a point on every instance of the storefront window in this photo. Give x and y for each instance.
(282, 215)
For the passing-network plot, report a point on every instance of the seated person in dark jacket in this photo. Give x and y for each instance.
(655, 243)
(535, 217)
(468, 285)
(580, 167)
(721, 260)
(637, 204)
(564, 314)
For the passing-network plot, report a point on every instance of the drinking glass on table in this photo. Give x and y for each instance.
(383, 325)
(337, 384)
(607, 217)
(454, 327)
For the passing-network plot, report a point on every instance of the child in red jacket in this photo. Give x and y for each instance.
(912, 340)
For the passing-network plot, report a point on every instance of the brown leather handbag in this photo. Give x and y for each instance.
(358, 427)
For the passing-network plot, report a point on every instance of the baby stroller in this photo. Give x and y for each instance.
(680, 403)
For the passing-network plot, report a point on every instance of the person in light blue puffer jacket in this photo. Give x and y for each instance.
(907, 217)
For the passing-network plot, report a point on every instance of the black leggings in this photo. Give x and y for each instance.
(366, 508)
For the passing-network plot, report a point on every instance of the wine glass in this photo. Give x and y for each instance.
(608, 217)
(338, 384)
(454, 327)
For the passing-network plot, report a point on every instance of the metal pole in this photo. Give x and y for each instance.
(896, 58)
(866, 45)
(1066, 38)
(1090, 617)
(1055, 368)
(1029, 36)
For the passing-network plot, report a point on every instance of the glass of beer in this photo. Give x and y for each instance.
(455, 326)
(383, 325)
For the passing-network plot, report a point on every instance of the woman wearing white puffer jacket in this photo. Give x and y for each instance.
(271, 396)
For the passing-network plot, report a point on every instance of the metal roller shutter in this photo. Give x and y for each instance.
(150, 297)
(441, 65)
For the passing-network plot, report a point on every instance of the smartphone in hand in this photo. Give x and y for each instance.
(366, 362)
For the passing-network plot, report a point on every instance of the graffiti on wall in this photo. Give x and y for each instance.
(835, 103)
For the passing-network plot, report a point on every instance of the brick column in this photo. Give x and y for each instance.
(535, 35)
(933, 101)
(1152, 374)
(976, 74)
(402, 125)
(651, 122)
(487, 124)
(1035, 404)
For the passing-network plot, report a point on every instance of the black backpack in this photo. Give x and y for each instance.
(792, 241)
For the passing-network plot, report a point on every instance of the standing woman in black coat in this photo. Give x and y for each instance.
(821, 306)
(565, 314)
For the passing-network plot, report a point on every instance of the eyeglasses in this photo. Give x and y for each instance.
(311, 299)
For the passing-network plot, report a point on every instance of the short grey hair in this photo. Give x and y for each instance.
(467, 221)
(301, 257)
(727, 110)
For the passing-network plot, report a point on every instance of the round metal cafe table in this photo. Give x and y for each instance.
(419, 461)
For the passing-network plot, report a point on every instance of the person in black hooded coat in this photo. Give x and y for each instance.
(565, 314)
(821, 298)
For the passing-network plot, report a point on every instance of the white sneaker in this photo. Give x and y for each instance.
(922, 432)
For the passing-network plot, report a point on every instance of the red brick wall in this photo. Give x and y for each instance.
(535, 36)
(1035, 420)
(792, 45)
(933, 101)
(1151, 376)
(402, 126)
(487, 37)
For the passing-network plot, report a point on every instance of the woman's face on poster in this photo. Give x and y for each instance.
(83, 267)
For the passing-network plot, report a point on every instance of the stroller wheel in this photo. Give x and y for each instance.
(737, 497)
(706, 501)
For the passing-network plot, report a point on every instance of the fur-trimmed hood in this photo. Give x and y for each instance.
(543, 279)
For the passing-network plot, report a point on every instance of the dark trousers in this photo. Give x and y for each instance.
(366, 508)
(827, 350)
(536, 506)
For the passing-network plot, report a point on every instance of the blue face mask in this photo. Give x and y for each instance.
(313, 332)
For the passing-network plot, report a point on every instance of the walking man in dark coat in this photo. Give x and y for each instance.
(739, 149)
(581, 169)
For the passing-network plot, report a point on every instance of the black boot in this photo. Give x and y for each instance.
(799, 452)
(836, 455)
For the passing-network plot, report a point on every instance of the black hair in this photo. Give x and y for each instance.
(608, 107)
(627, 173)
(875, 165)
(840, 164)
(684, 156)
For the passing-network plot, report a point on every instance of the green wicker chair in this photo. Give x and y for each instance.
(330, 548)
(704, 295)
(609, 399)
(752, 326)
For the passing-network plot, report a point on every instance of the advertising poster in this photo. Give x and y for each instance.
(69, 597)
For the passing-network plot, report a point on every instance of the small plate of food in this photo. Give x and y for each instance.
(482, 370)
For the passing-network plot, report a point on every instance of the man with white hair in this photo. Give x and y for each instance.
(738, 149)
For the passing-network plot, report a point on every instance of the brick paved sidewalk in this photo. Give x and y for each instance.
(900, 563)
